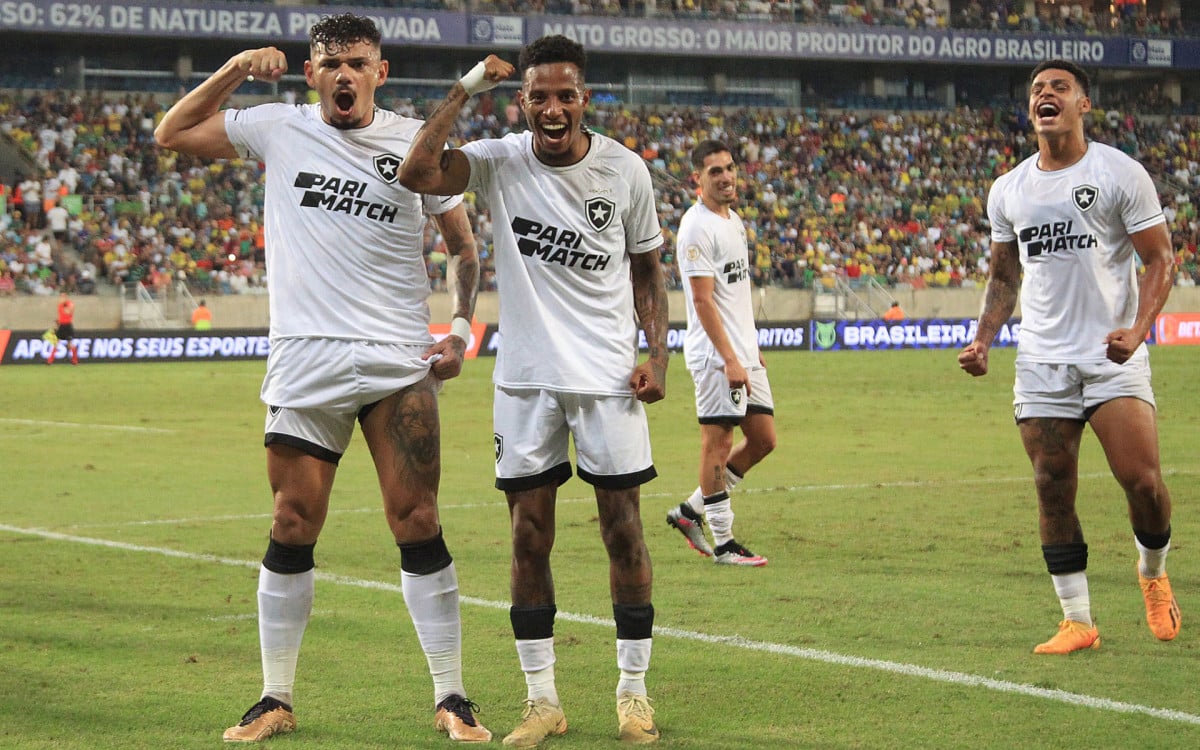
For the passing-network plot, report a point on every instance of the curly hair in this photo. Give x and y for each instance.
(336, 33)
(552, 49)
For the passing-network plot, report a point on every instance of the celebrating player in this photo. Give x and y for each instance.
(349, 340)
(1076, 216)
(721, 350)
(575, 221)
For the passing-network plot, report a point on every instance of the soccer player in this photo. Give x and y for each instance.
(576, 239)
(721, 351)
(1077, 216)
(349, 340)
(64, 329)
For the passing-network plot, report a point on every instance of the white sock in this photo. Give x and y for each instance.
(1152, 563)
(633, 659)
(537, 662)
(432, 602)
(1072, 590)
(696, 499)
(720, 520)
(731, 480)
(284, 605)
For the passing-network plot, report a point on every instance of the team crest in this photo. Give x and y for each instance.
(599, 213)
(387, 166)
(735, 395)
(1084, 196)
(498, 445)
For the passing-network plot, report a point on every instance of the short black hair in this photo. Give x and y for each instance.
(552, 49)
(336, 33)
(705, 149)
(1080, 74)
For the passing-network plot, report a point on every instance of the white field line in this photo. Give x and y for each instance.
(828, 657)
(645, 495)
(85, 426)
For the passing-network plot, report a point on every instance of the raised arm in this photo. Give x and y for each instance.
(195, 124)
(999, 301)
(1153, 246)
(429, 167)
(649, 379)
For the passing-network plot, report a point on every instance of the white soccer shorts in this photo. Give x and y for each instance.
(717, 403)
(1062, 391)
(315, 388)
(533, 428)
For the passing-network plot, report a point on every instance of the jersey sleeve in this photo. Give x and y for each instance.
(643, 233)
(435, 205)
(1140, 208)
(694, 252)
(1002, 228)
(248, 129)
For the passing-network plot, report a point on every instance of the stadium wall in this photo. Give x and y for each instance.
(103, 312)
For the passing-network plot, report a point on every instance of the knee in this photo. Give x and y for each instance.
(532, 542)
(1145, 486)
(292, 522)
(764, 445)
(623, 540)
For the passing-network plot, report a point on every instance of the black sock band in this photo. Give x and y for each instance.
(718, 497)
(1065, 558)
(532, 623)
(423, 558)
(1152, 541)
(288, 559)
(634, 621)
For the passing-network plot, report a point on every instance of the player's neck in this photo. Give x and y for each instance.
(1057, 152)
(720, 209)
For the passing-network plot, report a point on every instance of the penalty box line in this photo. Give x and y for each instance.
(734, 641)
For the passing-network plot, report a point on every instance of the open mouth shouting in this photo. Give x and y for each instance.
(343, 105)
(554, 134)
(1047, 112)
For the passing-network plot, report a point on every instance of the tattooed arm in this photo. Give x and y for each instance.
(455, 227)
(430, 167)
(649, 379)
(1000, 299)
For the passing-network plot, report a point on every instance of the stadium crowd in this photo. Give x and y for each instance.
(1064, 16)
(898, 197)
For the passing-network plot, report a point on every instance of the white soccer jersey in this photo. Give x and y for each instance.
(344, 239)
(563, 236)
(709, 245)
(1072, 228)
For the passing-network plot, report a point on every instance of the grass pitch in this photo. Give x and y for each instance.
(904, 594)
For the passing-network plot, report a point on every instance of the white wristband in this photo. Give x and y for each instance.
(474, 81)
(461, 327)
